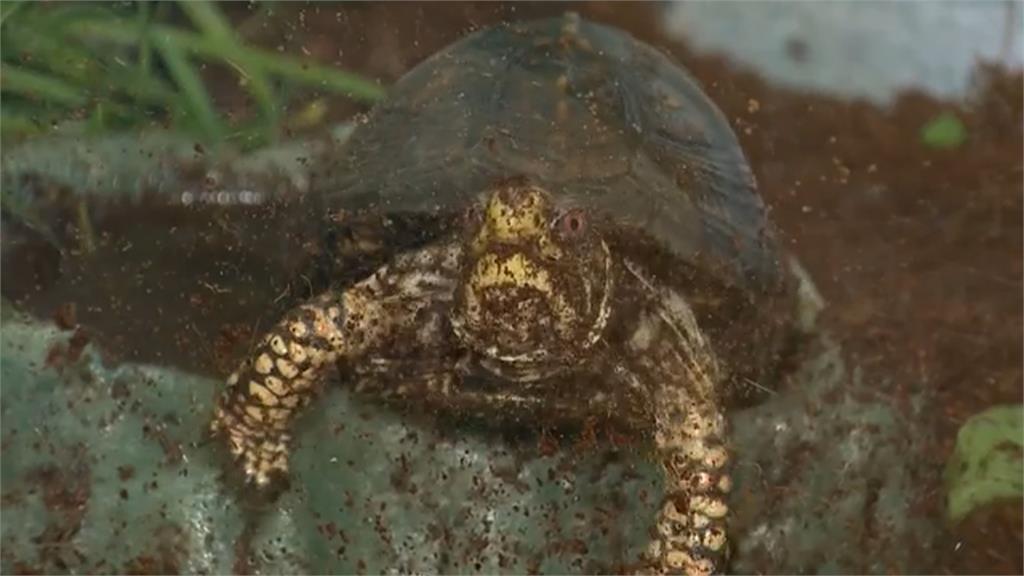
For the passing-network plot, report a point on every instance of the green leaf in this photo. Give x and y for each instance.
(287, 67)
(986, 464)
(212, 23)
(38, 85)
(945, 131)
(145, 48)
(122, 66)
(43, 47)
(191, 85)
(15, 125)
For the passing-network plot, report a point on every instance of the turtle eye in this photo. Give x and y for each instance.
(572, 224)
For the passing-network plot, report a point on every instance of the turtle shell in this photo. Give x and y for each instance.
(596, 117)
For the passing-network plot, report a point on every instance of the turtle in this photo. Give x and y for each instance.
(572, 232)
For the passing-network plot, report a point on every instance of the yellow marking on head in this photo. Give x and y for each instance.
(518, 271)
(512, 221)
(517, 222)
(515, 270)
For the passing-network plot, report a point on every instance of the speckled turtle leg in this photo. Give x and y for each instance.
(691, 530)
(256, 409)
(673, 359)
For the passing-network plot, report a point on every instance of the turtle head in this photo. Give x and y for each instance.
(534, 295)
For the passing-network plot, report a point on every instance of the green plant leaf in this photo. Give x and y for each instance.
(945, 131)
(113, 67)
(986, 464)
(191, 85)
(287, 67)
(17, 125)
(212, 23)
(38, 85)
(47, 50)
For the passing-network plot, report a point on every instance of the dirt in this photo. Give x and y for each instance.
(916, 250)
(66, 497)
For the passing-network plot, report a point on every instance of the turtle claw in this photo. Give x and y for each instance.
(263, 478)
(664, 558)
(262, 462)
(263, 458)
(261, 474)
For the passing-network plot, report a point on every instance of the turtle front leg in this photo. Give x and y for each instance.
(671, 358)
(285, 370)
(691, 526)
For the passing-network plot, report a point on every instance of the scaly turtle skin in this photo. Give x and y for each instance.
(589, 245)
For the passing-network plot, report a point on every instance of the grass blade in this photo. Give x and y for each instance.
(288, 67)
(191, 85)
(13, 125)
(210, 21)
(34, 84)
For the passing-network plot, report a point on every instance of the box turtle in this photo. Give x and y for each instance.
(571, 232)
